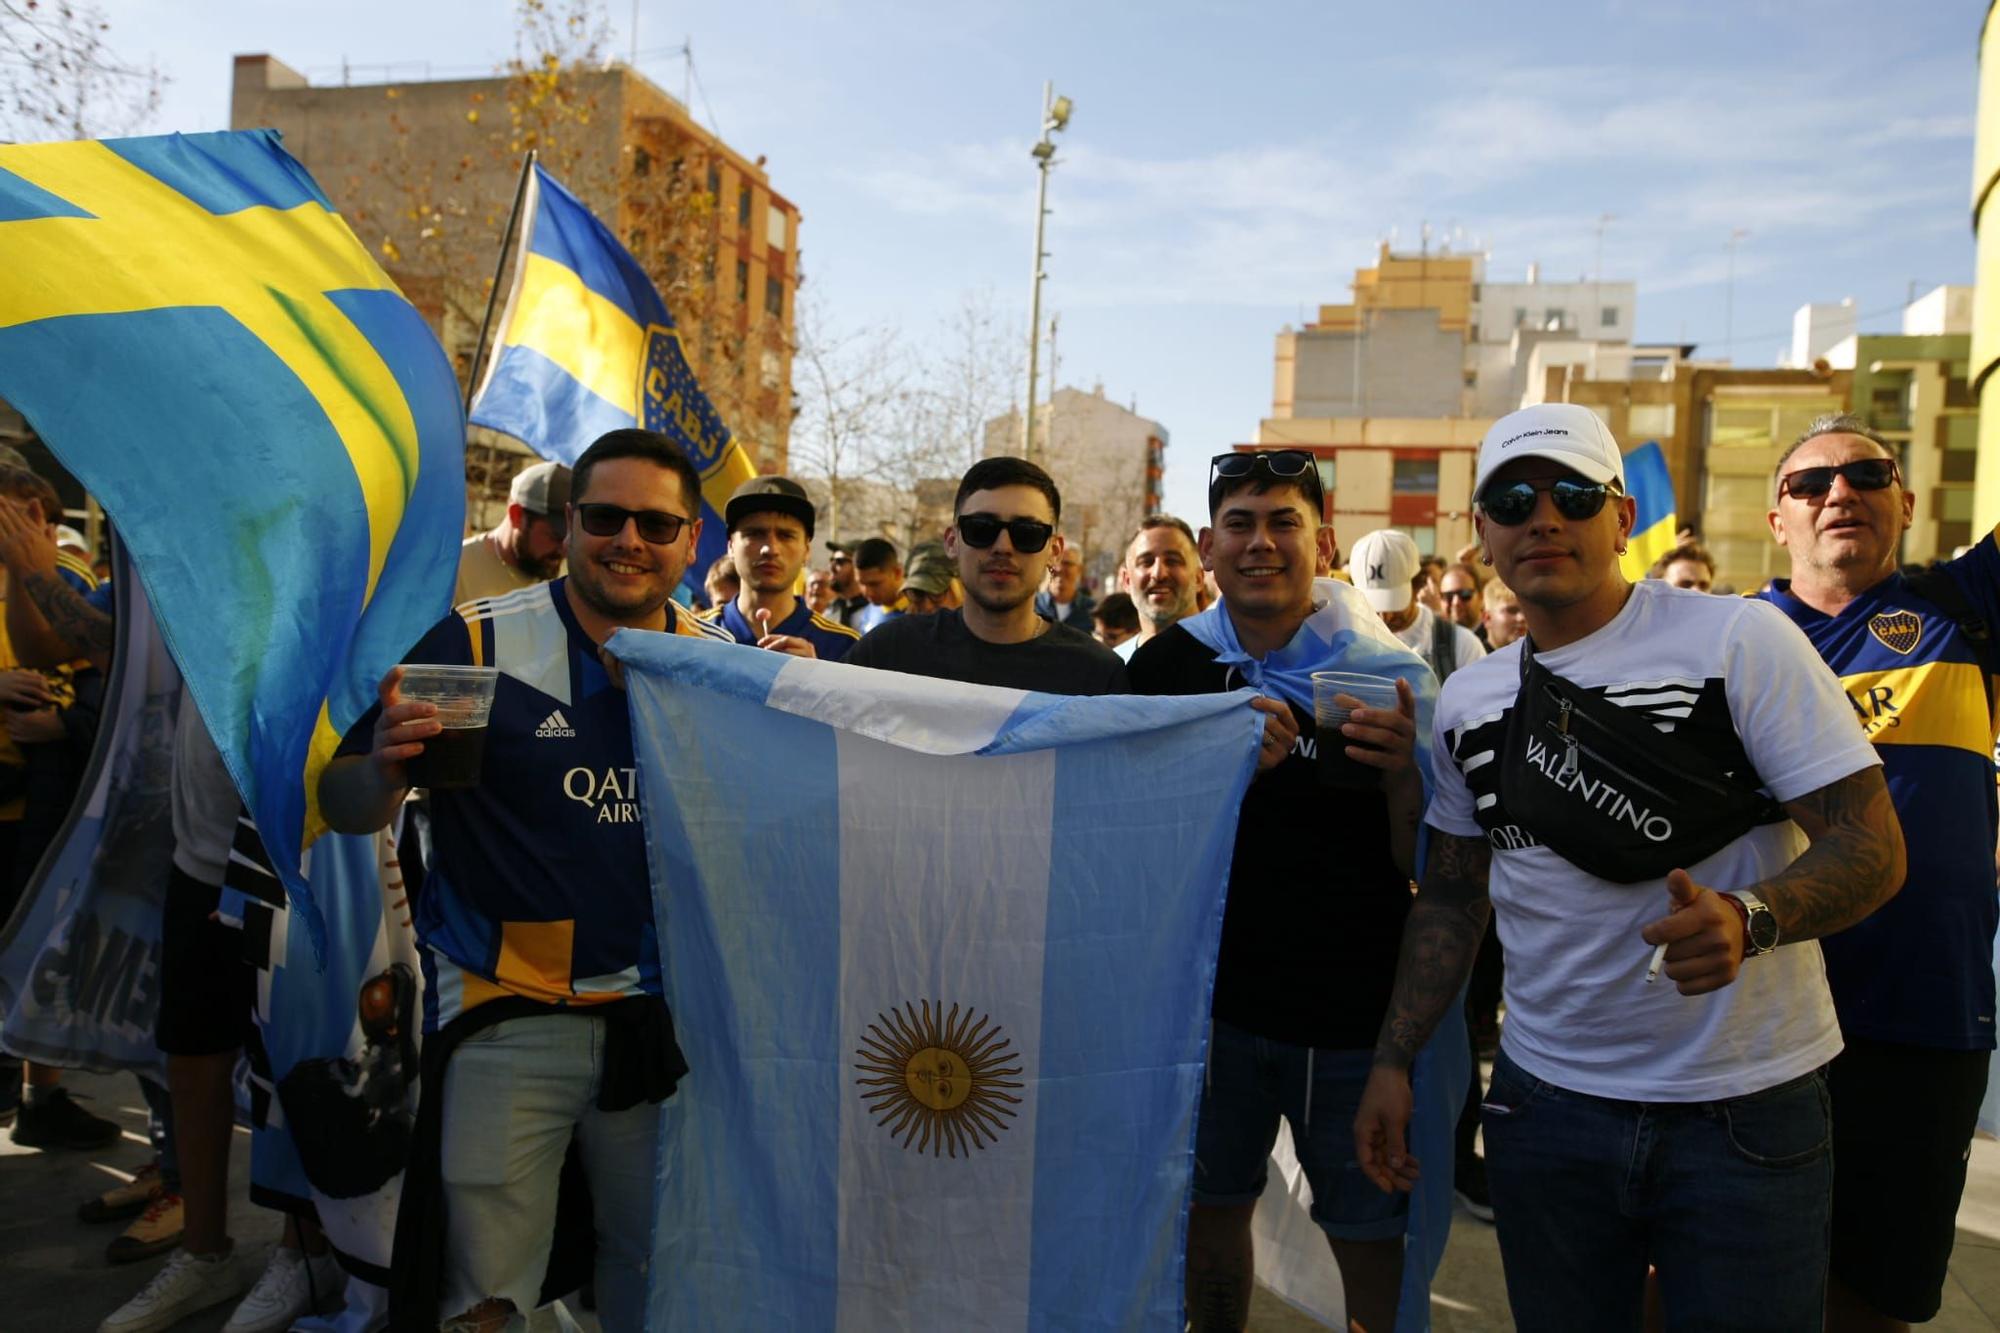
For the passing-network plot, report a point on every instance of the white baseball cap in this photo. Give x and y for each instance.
(1383, 565)
(1565, 433)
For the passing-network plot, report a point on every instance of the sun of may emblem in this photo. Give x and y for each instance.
(938, 1080)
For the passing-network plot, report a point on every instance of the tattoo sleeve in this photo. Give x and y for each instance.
(1855, 864)
(1440, 940)
(79, 624)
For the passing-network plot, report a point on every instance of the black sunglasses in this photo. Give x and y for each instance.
(1281, 464)
(655, 526)
(980, 531)
(1459, 594)
(1863, 474)
(1512, 504)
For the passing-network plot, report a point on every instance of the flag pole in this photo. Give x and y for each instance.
(499, 272)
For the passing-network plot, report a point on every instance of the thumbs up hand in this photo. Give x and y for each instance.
(1703, 932)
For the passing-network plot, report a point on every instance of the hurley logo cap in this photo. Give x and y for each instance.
(1565, 433)
(1383, 565)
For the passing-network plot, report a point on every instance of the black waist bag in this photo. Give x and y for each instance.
(1611, 793)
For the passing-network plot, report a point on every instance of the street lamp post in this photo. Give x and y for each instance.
(1055, 116)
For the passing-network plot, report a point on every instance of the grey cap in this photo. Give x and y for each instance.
(542, 488)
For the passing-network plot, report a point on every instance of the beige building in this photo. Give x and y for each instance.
(426, 172)
(1108, 462)
(1388, 472)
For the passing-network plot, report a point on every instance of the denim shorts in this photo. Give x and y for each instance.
(1252, 1081)
(1730, 1199)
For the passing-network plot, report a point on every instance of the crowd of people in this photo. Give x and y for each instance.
(1713, 876)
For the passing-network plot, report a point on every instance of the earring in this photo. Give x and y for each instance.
(1485, 559)
(1621, 550)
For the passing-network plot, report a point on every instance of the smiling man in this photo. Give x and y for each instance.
(544, 1007)
(1667, 771)
(1913, 983)
(1162, 575)
(1003, 536)
(1318, 889)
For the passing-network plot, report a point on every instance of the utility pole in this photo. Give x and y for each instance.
(1055, 115)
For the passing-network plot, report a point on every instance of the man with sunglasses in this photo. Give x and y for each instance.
(1680, 1122)
(1003, 536)
(1318, 887)
(1913, 984)
(526, 546)
(849, 600)
(544, 1009)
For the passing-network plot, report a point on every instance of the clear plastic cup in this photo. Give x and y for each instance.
(463, 697)
(1336, 767)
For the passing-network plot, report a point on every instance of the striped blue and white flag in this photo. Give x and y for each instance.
(940, 957)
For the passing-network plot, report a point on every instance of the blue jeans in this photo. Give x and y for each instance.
(1731, 1200)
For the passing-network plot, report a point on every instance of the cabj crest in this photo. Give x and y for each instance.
(1898, 630)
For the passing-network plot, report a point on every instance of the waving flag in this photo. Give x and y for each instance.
(951, 949)
(201, 340)
(585, 345)
(1648, 482)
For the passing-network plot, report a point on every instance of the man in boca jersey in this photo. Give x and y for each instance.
(770, 535)
(1913, 984)
(544, 1010)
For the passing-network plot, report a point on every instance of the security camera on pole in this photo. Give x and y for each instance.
(1055, 116)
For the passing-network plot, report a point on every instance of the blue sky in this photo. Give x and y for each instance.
(1230, 165)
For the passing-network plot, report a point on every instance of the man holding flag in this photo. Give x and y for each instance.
(543, 1009)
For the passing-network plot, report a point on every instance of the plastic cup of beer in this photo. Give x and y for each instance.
(1336, 767)
(463, 697)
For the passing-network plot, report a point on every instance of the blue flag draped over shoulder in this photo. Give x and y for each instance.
(585, 345)
(945, 955)
(1649, 483)
(272, 427)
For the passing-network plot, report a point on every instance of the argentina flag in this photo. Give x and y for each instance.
(940, 957)
(585, 345)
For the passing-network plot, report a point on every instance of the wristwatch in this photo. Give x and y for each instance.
(1760, 928)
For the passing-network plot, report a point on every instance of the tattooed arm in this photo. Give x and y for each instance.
(1855, 864)
(48, 622)
(1440, 940)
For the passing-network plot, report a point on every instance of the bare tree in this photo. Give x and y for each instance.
(63, 80)
(974, 372)
(851, 385)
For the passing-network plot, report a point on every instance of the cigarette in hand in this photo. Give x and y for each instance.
(1653, 968)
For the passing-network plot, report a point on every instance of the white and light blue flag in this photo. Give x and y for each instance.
(940, 958)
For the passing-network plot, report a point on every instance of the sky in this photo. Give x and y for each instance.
(1230, 165)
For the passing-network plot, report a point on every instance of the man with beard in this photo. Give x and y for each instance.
(770, 534)
(1003, 536)
(849, 601)
(536, 919)
(1913, 984)
(526, 546)
(1162, 574)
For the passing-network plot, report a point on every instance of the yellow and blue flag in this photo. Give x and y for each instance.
(201, 340)
(1648, 482)
(586, 345)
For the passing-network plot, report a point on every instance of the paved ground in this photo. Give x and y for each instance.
(53, 1277)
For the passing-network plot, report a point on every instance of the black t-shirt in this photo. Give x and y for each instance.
(1316, 900)
(1059, 661)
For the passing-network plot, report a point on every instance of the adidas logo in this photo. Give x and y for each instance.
(555, 724)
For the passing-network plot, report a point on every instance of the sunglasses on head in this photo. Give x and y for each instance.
(1513, 503)
(1863, 474)
(655, 526)
(1279, 464)
(980, 531)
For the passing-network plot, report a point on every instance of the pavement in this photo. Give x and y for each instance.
(53, 1277)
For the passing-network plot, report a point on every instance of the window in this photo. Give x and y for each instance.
(774, 228)
(1520, 315)
(1328, 475)
(1607, 317)
(1650, 421)
(1415, 476)
(714, 179)
(1425, 538)
(642, 162)
(743, 280)
(1957, 393)
(774, 296)
(743, 206)
(1555, 318)
(769, 369)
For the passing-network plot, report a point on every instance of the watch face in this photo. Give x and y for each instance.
(1763, 930)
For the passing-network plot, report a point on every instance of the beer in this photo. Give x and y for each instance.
(452, 758)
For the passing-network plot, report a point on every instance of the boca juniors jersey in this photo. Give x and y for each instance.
(1920, 970)
(538, 883)
(830, 639)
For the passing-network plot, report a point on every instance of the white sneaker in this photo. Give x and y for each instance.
(292, 1286)
(186, 1284)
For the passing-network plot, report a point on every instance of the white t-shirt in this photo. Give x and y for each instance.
(1579, 1012)
(203, 800)
(1416, 636)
